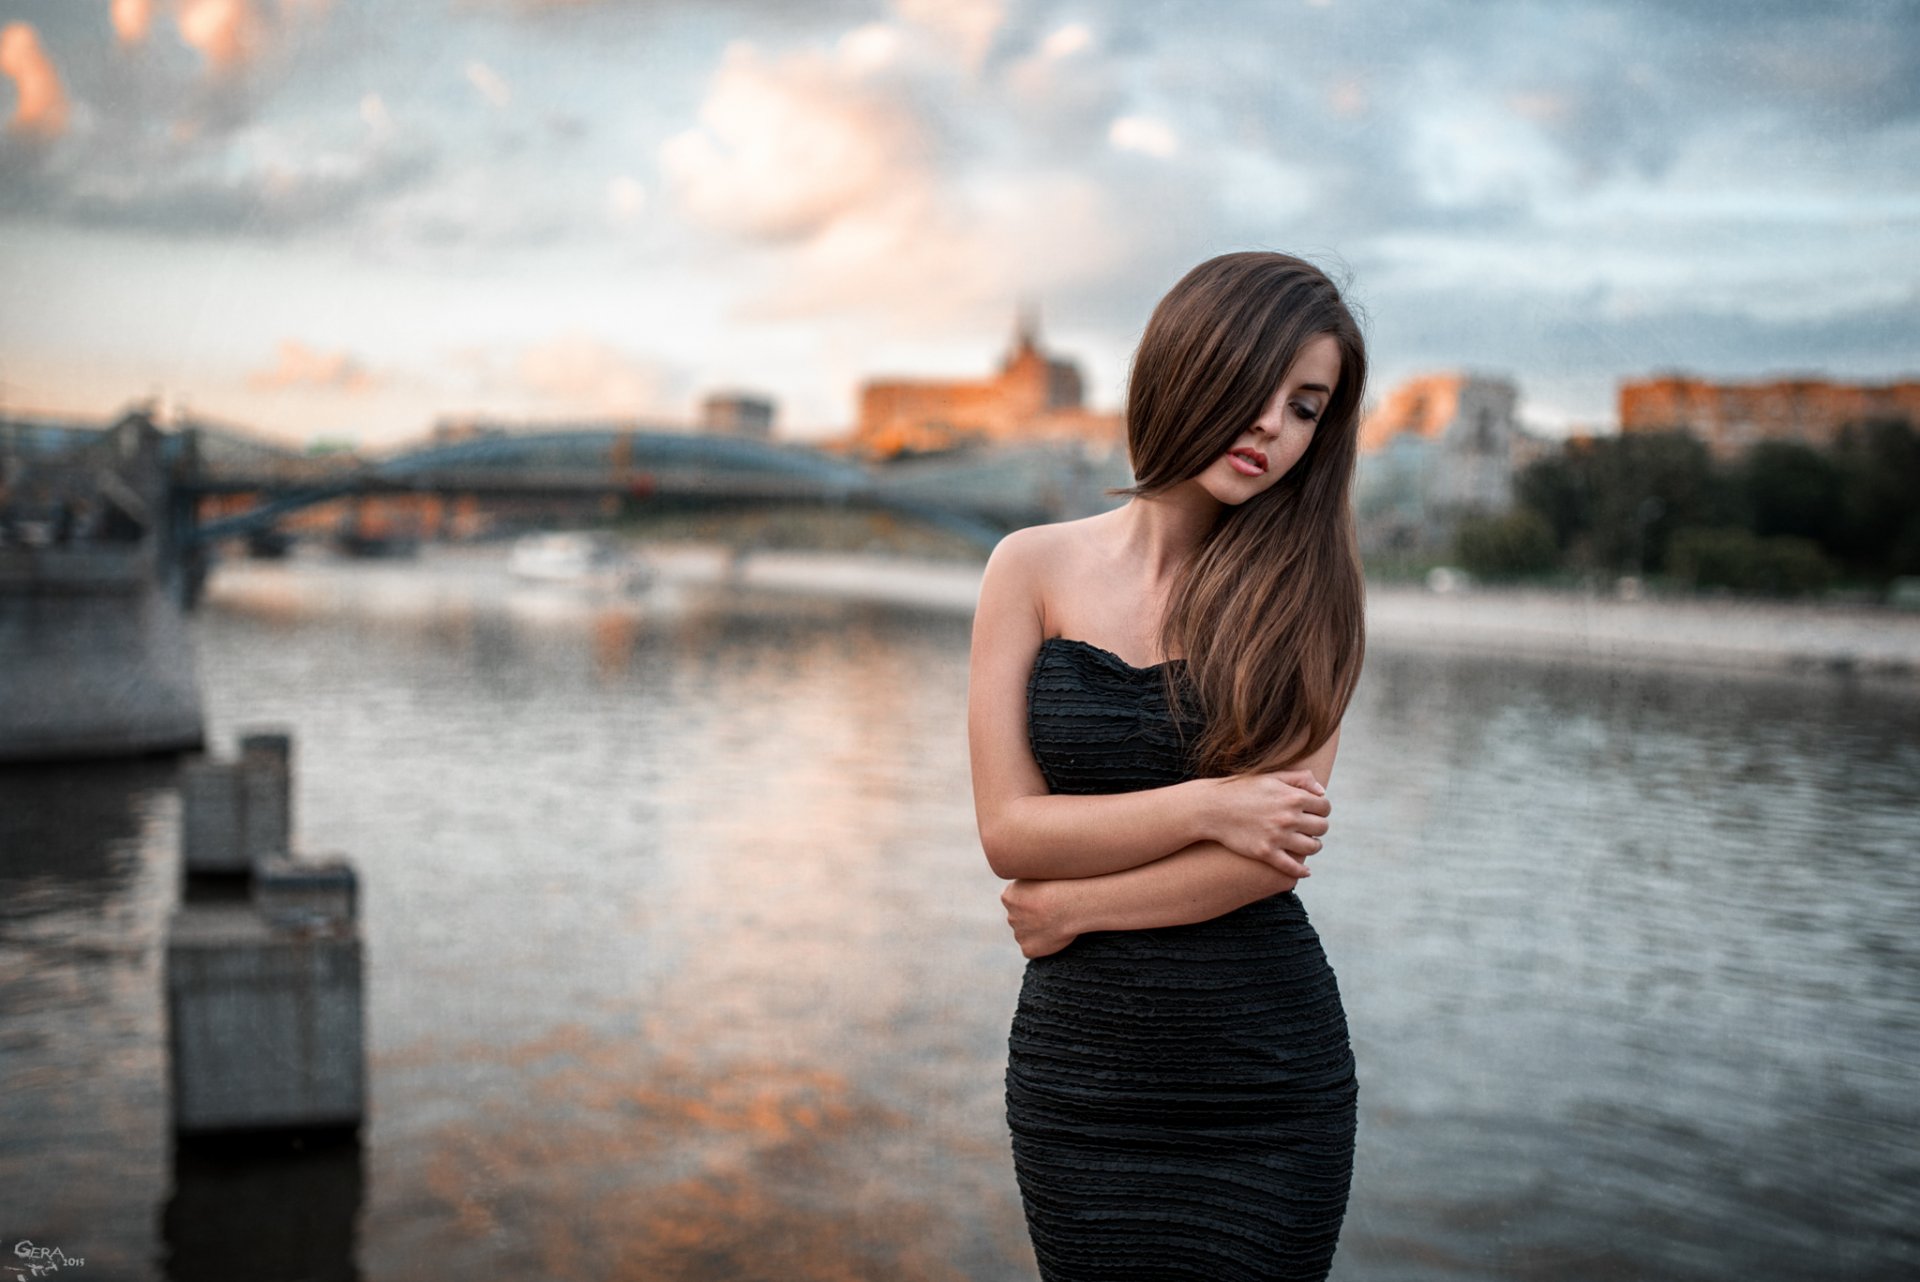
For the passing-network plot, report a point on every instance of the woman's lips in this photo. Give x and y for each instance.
(1247, 462)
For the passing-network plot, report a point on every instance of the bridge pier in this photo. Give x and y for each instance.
(265, 994)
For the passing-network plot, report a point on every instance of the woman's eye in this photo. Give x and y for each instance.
(1306, 412)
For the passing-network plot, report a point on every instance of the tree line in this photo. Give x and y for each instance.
(1783, 518)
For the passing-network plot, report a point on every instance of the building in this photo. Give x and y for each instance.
(1034, 396)
(737, 414)
(1731, 417)
(1438, 447)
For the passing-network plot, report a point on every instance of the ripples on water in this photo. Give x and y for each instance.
(684, 962)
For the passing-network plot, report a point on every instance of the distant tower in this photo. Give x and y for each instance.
(1032, 383)
(1026, 328)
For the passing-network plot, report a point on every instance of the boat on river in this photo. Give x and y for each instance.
(574, 558)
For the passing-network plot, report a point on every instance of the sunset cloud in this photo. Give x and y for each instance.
(298, 367)
(40, 107)
(1066, 41)
(787, 145)
(626, 200)
(132, 19)
(970, 25)
(224, 32)
(577, 373)
(926, 267)
(854, 182)
(1145, 135)
(489, 84)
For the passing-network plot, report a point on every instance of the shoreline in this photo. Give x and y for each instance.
(1738, 633)
(1744, 634)
(1752, 635)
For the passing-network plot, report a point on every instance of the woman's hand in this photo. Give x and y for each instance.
(1037, 911)
(1276, 818)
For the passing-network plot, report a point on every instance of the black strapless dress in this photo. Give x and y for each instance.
(1182, 1100)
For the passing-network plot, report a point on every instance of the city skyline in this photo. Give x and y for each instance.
(322, 220)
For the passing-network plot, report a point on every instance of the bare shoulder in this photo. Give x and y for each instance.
(1051, 544)
(1036, 555)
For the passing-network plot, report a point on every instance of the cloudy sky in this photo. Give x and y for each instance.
(347, 218)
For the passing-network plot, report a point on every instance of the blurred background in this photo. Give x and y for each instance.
(578, 426)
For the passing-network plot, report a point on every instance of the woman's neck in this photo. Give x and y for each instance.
(1160, 532)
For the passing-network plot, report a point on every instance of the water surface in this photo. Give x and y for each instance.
(684, 962)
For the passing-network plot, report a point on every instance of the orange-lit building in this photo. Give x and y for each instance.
(1033, 397)
(1439, 446)
(1730, 417)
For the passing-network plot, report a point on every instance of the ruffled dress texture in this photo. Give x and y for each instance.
(1182, 1100)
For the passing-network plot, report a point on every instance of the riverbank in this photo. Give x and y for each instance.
(1780, 637)
(1758, 635)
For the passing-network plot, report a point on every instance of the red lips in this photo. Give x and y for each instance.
(1247, 460)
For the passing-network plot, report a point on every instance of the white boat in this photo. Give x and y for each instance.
(577, 558)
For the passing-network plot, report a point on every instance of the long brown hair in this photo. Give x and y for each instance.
(1269, 611)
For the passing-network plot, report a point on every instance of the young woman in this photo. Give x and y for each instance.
(1154, 706)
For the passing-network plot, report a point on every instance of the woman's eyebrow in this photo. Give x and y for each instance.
(1314, 387)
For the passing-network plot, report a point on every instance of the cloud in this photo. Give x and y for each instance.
(150, 113)
(888, 175)
(475, 216)
(226, 33)
(759, 16)
(164, 141)
(1145, 135)
(1066, 41)
(786, 146)
(927, 266)
(626, 200)
(373, 110)
(577, 373)
(262, 182)
(40, 108)
(489, 84)
(298, 367)
(132, 20)
(970, 25)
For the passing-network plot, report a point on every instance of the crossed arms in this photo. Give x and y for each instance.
(1118, 861)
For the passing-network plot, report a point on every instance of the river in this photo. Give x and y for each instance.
(684, 963)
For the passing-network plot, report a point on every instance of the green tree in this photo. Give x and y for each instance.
(1512, 545)
(1878, 465)
(1731, 557)
(1614, 502)
(1793, 489)
(1555, 486)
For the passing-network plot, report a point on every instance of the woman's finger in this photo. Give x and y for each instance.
(1289, 865)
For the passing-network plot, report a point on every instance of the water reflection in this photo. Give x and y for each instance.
(82, 1115)
(273, 1207)
(1625, 957)
(69, 835)
(683, 962)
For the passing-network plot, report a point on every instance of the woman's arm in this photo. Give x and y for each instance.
(1197, 883)
(1026, 831)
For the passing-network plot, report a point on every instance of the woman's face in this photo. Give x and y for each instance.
(1274, 442)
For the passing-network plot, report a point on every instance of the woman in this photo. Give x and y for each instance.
(1154, 706)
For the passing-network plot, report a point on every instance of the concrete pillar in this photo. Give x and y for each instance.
(265, 1019)
(212, 823)
(233, 814)
(295, 892)
(266, 766)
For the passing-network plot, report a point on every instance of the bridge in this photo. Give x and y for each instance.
(105, 538)
(977, 495)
